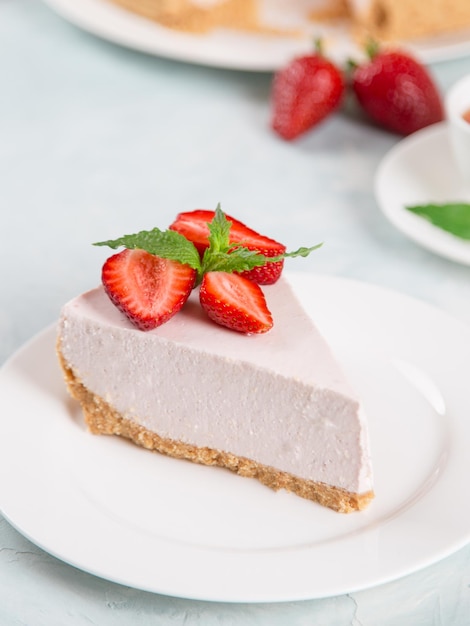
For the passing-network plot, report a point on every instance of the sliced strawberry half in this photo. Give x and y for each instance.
(149, 290)
(194, 226)
(235, 302)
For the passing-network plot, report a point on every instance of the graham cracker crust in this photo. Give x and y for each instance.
(102, 419)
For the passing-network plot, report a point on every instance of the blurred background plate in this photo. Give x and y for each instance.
(235, 49)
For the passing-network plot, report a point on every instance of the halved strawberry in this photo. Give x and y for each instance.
(235, 302)
(149, 290)
(194, 226)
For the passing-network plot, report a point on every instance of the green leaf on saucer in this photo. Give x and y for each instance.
(453, 217)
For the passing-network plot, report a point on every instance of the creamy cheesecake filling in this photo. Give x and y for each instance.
(279, 399)
(102, 419)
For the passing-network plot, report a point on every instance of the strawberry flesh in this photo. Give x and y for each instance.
(304, 93)
(235, 302)
(149, 290)
(194, 226)
(397, 92)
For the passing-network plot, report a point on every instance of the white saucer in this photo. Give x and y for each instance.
(420, 169)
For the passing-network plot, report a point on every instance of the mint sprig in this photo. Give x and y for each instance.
(301, 251)
(453, 217)
(167, 244)
(221, 255)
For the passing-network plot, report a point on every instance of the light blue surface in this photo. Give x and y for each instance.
(96, 141)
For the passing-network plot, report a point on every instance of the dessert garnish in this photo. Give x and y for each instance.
(453, 217)
(235, 302)
(194, 225)
(151, 279)
(148, 289)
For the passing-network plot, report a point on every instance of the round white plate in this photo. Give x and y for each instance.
(138, 518)
(420, 169)
(236, 50)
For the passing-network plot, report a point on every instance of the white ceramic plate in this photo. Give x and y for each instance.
(235, 50)
(168, 526)
(420, 169)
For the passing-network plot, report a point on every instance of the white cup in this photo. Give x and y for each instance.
(457, 103)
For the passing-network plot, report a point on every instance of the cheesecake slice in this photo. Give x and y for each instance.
(276, 407)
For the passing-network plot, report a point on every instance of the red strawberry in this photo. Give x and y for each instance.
(145, 287)
(304, 93)
(194, 226)
(397, 92)
(235, 302)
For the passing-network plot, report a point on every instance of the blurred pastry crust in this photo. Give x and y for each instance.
(197, 17)
(389, 20)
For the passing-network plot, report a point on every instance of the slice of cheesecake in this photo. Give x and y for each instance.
(275, 407)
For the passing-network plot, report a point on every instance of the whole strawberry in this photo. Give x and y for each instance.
(304, 93)
(397, 92)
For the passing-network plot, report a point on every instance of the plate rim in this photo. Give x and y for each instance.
(230, 596)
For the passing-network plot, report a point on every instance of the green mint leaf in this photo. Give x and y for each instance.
(238, 259)
(299, 252)
(453, 217)
(241, 259)
(219, 232)
(302, 251)
(221, 255)
(167, 244)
